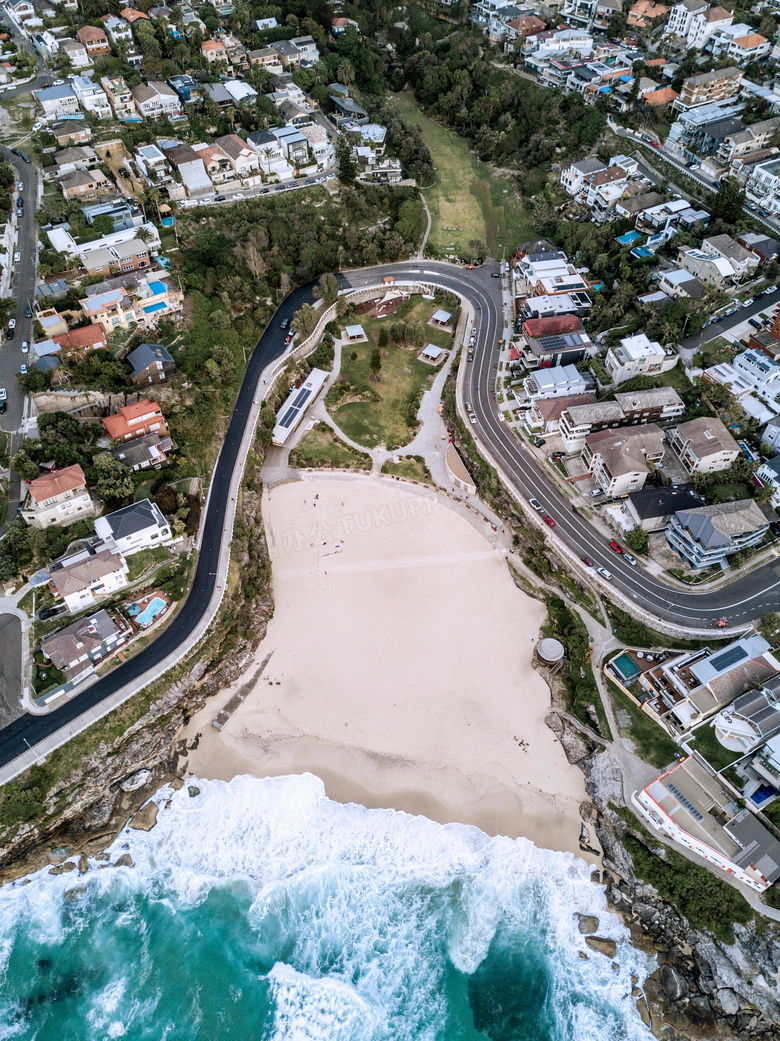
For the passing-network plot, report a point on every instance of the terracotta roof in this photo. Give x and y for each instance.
(212, 45)
(751, 41)
(130, 15)
(91, 32)
(552, 326)
(123, 421)
(612, 173)
(664, 96)
(57, 483)
(79, 339)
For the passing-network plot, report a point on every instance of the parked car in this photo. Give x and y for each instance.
(28, 312)
(549, 520)
(496, 274)
(11, 330)
(51, 612)
(11, 323)
(15, 151)
(772, 289)
(284, 323)
(587, 561)
(219, 198)
(468, 407)
(23, 369)
(755, 322)
(604, 573)
(472, 418)
(17, 257)
(3, 399)
(238, 195)
(20, 186)
(25, 158)
(310, 180)
(25, 347)
(631, 560)
(539, 442)
(596, 492)
(615, 547)
(470, 356)
(536, 504)
(747, 303)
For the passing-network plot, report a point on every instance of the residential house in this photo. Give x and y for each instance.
(134, 528)
(86, 184)
(307, 50)
(703, 445)
(559, 381)
(289, 55)
(94, 39)
(215, 52)
(45, 44)
(216, 93)
(78, 157)
(748, 48)
(131, 421)
(76, 53)
(348, 111)
(272, 157)
(763, 185)
(155, 99)
(677, 283)
(294, 145)
(321, 146)
(704, 24)
(216, 164)
(242, 158)
(690, 805)
(76, 648)
(742, 260)
(750, 720)
(558, 340)
(652, 508)
(768, 474)
(708, 87)
(764, 248)
(113, 310)
(707, 536)
(78, 342)
(57, 102)
(191, 170)
(573, 177)
(544, 415)
(71, 131)
(149, 452)
(644, 13)
(340, 25)
(518, 29)
(58, 498)
(20, 10)
(150, 363)
(186, 87)
(92, 97)
(119, 95)
(638, 407)
(152, 163)
(131, 15)
(621, 460)
(266, 58)
(711, 269)
(636, 356)
(83, 577)
(770, 435)
(118, 29)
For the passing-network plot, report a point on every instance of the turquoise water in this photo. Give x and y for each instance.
(261, 911)
(151, 611)
(627, 667)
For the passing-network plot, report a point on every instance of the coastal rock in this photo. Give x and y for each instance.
(575, 747)
(83, 864)
(62, 869)
(641, 1007)
(673, 983)
(588, 923)
(177, 784)
(192, 791)
(146, 818)
(602, 945)
(135, 781)
(125, 860)
(728, 1001)
(74, 891)
(620, 901)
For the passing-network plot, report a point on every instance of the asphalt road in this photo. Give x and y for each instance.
(715, 329)
(740, 602)
(10, 668)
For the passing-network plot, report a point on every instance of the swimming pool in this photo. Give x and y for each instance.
(150, 612)
(627, 667)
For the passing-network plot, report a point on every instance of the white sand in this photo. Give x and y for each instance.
(400, 670)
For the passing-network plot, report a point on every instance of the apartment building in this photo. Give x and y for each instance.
(750, 139)
(681, 16)
(119, 96)
(763, 185)
(634, 408)
(621, 460)
(92, 97)
(709, 87)
(707, 536)
(156, 99)
(58, 498)
(636, 356)
(704, 24)
(703, 445)
(742, 261)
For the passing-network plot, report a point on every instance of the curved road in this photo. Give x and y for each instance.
(739, 602)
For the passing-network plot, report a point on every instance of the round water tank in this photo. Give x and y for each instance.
(550, 651)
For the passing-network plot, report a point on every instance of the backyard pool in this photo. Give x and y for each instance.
(626, 667)
(149, 613)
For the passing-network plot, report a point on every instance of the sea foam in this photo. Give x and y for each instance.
(336, 921)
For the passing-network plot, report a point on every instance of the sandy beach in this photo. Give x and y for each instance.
(400, 667)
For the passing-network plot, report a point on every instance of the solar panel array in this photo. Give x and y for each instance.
(688, 805)
(297, 406)
(728, 657)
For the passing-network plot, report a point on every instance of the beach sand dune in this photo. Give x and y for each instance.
(400, 669)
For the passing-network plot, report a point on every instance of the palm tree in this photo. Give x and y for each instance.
(345, 73)
(143, 235)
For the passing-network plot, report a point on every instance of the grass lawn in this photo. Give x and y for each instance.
(715, 352)
(386, 411)
(707, 745)
(466, 201)
(319, 447)
(731, 491)
(138, 563)
(144, 490)
(45, 677)
(652, 742)
(412, 467)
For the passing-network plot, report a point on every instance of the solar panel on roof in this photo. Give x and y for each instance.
(289, 416)
(300, 398)
(727, 658)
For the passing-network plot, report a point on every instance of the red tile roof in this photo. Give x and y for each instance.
(555, 325)
(89, 336)
(49, 485)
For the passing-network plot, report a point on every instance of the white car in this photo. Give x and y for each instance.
(747, 303)
(17, 257)
(604, 573)
(58, 83)
(536, 505)
(238, 195)
(472, 418)
(772, 289)
(500, 417)
(20, 186)
(25, 347)
(629, 559)
(11, 323)
(23, 370)
(37, 126)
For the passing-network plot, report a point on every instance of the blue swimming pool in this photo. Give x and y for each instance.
(626, 667)
(150, 612)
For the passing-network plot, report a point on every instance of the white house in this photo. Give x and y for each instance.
(705, 23)
(556, 382)
(45, 44)
(273, 161)
(76, 53)
(60, 497)
(769, 476)
(57, 102)
(241, 156)
(92, 97)
(156, 99)
(636, 356)
(83, 577)
(118, 29)
(138, 526)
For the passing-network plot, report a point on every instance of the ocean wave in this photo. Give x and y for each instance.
(280, 911)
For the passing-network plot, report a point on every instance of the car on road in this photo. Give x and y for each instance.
(284, 323)
(548, 520)
(17, 257)
(501, 417)
(468, 407)
(58, 83)
(20, 186)
(587, 561)
(25, 347)
(25, 158)
(219, 198)
(3, 399)
(23, 369)
(279, 188)
(11, 330)
(288, 338)
(310, 180)
(772, 289)
(536, 504)
(495, 274)
(604, 573)
(265, 191)
(15, 151)
(472, 418)
(470, 356)
(11, 323)
(51, 612)
(629, 559)
(747, 303)
(755, 322)
(28, 312)
(615, 547)
(239, 195)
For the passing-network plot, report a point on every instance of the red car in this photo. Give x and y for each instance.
(616, 547)
(550, 521)
(587, 560)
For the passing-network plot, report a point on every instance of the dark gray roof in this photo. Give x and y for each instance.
(716, 526)
(723, 127)
(145, 355)
(262, 137)
(218, 94)
(135, 517)
(662, 502)
(760, 707)
(759, 847)
(142, 449)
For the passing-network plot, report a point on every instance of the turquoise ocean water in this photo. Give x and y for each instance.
(262, 911)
